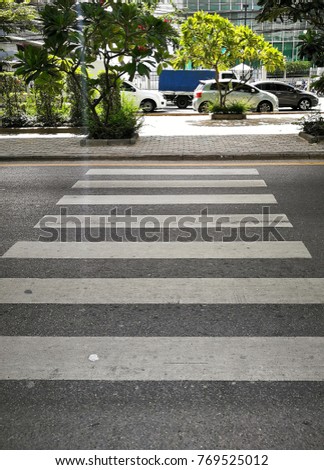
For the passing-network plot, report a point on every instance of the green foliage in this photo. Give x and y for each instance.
(78, 111)
(309, 10)
(298, 67)
(213, 42)
(313, 124)
(126, 37)
(122, 123)
(312, 47)
(13, 100)
(236, 107)
(35, 62)
(319, 84)
(48, 94)
(43, 104)
(16, 17)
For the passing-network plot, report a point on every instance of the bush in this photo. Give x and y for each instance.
(23, 120)
(122, 123)
(13, 98)
(313, 124)
(49, 101)
(298, 68)
(236, 107)
(319, 84)
(42, 105)
(78, 109)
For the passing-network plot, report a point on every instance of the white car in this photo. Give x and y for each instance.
(207, 92)
(148, 100)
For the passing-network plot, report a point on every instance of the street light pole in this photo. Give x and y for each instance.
(245, 6)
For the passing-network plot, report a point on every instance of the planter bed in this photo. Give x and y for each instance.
(312, 139)
(104, 142)
(43, 130)
(228, 117)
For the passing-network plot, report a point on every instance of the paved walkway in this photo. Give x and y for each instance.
(178, 137)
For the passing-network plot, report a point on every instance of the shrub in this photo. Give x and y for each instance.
(313, 124)
(236, 107)
(13, 98)
(77, 109)
(319, 84)
(239, 107)
(49, 100)
(122, 123)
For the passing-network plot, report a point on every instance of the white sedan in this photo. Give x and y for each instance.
(147, 100)
(207, 92)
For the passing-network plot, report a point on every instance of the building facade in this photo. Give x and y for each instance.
(282, 35)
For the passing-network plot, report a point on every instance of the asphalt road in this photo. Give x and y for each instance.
(244, 372)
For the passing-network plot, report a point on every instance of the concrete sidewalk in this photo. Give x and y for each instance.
(176, 138)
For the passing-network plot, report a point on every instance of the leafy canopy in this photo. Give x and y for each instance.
(311, 47)
(213, 42)
(311, 11)
(124, 35)
(16, 17)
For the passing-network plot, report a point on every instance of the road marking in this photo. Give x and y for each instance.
(164, 221)
(162, 291)
(163, 358)
(94, 163)
(169, 184)
(173, 171)
(161, 199)
(165, 250)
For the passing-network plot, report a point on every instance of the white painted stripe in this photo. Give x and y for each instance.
(163, 358)
(161, 250)
(162, 291)
(169, 184)
(174, 199)
(165, 221)
(173, 171)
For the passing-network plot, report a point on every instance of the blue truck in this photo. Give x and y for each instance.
(177, 86)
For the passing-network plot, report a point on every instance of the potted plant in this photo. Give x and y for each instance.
(312, 127)
(234, 111)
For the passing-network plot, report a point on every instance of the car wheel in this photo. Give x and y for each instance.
(182, 102)
(148, 106)
(203, 107)
(304, 104)
(265, 107)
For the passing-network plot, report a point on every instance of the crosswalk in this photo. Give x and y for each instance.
(160, 358)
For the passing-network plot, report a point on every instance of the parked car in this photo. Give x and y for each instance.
(148, 100)
(289, 96)
(207, 92)
(178, 86)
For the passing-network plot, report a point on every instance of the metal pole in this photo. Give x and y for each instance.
(245, 6)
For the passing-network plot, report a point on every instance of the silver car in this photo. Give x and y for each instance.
(289, 96)
(207, 92)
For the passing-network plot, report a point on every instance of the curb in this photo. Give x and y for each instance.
(176, 157)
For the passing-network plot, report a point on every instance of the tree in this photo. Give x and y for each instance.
(16, 17)
(300, 10)
(295, 10)
(213, 42)
(126, 36)
(312, 47)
